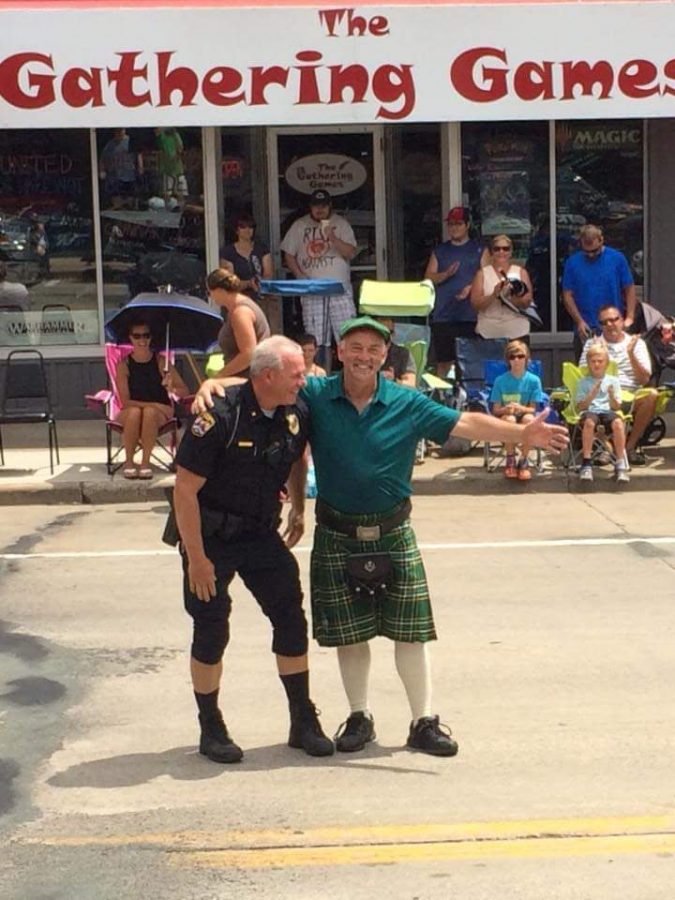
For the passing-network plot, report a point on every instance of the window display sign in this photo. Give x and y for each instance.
(406, 61)
(333, 172)
(35, 329)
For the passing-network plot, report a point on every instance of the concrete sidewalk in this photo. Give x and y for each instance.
(81, 476)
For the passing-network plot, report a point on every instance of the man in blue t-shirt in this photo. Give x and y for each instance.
(596, 276)
(451, 267)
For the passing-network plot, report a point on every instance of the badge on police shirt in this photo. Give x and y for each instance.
(203, 423)
(293, 424)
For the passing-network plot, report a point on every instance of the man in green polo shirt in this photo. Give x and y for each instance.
(367, 575)
(364, 431)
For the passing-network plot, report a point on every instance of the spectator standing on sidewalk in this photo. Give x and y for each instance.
(452, 266)
(593, 277)
(322, 244)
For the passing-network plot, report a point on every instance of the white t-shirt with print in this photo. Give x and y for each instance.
(316, 257)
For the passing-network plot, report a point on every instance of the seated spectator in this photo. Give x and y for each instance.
(245, 323)
(399, 366)
(631, 356)
(12, 293)
(599, 400)
(514, 398)
(309, 346)
(143, 388)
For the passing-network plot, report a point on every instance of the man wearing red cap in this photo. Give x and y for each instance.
(451, 267)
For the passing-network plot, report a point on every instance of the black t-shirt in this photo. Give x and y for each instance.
(246, 268)
(245, 455)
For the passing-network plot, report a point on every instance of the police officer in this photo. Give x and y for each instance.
(232, 465)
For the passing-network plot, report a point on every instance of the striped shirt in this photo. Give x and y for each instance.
(618, 352)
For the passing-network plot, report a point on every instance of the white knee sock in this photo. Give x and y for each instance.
(412, 665)
(354, 660)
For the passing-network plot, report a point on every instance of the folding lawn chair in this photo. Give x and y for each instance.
(494, 454)
(108, 403)
(402, 298)
(565, 401)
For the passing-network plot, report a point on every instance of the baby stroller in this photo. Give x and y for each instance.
(658, 333)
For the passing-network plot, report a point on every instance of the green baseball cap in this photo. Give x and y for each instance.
(365, 322)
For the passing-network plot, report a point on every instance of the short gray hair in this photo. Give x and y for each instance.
(270, 353)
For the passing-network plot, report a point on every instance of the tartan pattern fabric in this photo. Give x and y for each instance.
(340, 307)
(338, 618)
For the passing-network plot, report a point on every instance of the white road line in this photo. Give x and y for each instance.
(478, 545)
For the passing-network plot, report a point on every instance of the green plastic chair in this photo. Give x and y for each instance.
(397, 298)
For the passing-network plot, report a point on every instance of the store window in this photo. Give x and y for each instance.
(47, 271)
(236, 177)
(599, 181)
(505, 184)
(420, 195)
(152, 211)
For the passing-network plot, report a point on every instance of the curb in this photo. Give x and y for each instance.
(472, 480)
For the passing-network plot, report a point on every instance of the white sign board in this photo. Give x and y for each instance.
(143, 66)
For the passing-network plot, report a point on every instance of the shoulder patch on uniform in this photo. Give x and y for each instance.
(293, 423)
(202, 424)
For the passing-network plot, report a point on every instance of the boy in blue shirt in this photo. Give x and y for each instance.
(599, 400)
(514, 398)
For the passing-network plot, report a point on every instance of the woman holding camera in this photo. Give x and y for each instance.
(501, 280)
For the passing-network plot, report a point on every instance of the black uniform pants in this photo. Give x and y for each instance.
(270, 572)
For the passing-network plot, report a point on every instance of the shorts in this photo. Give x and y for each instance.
(603, 418)
(270, 572)
(338, 619)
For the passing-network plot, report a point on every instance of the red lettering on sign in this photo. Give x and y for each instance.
(41, 85)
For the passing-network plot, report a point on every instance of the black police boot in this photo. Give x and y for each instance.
(306, 732)
(215, 741)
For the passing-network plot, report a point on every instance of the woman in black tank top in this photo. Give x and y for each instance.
(144, 390)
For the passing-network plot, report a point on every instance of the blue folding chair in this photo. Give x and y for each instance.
(493, 454)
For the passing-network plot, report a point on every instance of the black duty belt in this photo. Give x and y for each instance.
(372, 531)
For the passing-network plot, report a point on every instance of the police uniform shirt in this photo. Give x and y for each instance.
(244, 454)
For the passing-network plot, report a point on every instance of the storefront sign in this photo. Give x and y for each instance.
(138, 66)
(29, 329)
(335, 173)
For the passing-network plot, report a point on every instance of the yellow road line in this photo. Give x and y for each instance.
(527, 848)
(397, 834)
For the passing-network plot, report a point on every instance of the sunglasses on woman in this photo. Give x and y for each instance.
(501, 249)
(139, 335)
(516, 356)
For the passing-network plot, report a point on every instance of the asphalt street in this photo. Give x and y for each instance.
(554, 668)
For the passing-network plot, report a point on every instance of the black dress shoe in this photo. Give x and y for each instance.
(215, 741)
(355, 733)
(429, 736)
(306, 732)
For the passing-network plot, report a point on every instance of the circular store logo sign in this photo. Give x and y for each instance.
(333, 172)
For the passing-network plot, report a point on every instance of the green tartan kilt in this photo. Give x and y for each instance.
(403, 614)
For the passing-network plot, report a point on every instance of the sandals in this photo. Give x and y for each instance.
(130, 472)
(145, 473)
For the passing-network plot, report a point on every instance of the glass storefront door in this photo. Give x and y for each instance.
(348, 164)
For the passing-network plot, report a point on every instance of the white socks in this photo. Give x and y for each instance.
(354, 660)
(412, 665)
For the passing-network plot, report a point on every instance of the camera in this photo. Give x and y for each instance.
(513, 288)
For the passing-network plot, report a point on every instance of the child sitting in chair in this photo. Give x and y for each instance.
(598, 400)
(514, 398)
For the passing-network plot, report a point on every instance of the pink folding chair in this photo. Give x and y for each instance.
(108, 403)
